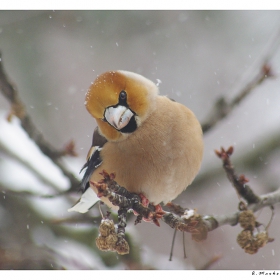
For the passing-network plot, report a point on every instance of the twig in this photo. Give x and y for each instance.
(265, 200)
(248, 239)
(172, 245)
(239, 183)
(184, 246)
(9, 90)
(222, 108)
(120, 196)
(122, 216)
(31, 194)
(190, 221)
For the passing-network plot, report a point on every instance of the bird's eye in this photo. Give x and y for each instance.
(123, 95)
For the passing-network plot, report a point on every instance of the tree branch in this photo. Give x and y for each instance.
(9, 90)
(266, 200)
(184, 220)
(223, 108)
(239, 183)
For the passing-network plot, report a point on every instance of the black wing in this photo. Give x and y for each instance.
(94, 159)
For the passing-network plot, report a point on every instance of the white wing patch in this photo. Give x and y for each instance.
(87, 200)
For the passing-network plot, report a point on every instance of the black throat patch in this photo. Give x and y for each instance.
(130, 127)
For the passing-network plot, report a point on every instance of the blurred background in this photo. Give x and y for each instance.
(198, 57)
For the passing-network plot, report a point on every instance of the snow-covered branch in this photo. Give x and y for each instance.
(9, 90)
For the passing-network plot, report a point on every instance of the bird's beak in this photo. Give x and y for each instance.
(118, 116)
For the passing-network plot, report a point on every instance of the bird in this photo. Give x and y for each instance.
(152, 143)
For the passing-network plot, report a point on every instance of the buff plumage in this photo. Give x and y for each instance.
(152, 143)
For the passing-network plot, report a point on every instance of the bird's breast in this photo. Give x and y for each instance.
(159, 159)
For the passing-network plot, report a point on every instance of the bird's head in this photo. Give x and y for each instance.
(120, 101)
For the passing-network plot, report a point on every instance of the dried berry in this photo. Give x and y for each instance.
(244, 238)
(247, 220)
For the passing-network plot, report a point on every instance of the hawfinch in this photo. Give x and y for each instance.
(152, 143)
